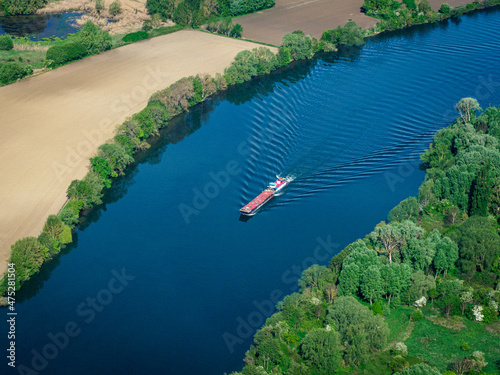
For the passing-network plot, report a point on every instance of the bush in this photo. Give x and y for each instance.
(147, 25)
(299, 45)
(14, 7)
(465, 346)
(6, 43)
(135, 37)
(410, 4)
(66, 53)
(12, 71)
(416, 315)
(236, 31)
(376, 307)
(93, 39)
(115, 8)
(445, 8)
(28, 255)
(350, 35)
(99, 5)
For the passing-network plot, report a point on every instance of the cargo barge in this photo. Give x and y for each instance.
(264, 197)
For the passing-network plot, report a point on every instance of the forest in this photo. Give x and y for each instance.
(419, 294)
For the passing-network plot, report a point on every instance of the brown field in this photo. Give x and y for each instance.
(52, 124)
(311, 16)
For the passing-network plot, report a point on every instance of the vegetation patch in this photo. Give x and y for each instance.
(455, 323)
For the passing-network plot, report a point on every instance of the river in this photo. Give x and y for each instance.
(181, 282)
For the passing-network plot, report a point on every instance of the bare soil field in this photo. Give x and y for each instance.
(311, 16)
(51, 124)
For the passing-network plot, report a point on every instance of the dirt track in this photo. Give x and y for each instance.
(52, 123)
(311, 16)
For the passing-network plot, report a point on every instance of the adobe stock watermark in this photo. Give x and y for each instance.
(87, 312)
(211, 190)
(154, 79)
(246, 327)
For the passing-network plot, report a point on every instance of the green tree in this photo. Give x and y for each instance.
(115, 8)
(467, 108)
(99, 5)
(299, 45)
(396, 278)
(93, 39)
(6, 43)
(350, 35)
(371, 284)
(28, 255)
(321, 347)
(116, 155)
(420, 285)
(53, 226)
(316, 277)
(242, 69)
(480, 193)
(446, 255)
(419, 369)
(478, 243)
(407, 209)
(236, 31)
(12, 71)
(360, 330)
(445, 8)
(15, 7)
(102, 168)
(388, 239)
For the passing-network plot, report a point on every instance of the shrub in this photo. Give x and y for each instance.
(350, 34)
(147, 25)
(93, 39)
(28, 255)
(12, 71)
(66, 53)
(299, 45)
(99, 5)
(236, 31)
(376, 307)
(135, 37)
(445, 8)
(465, 346)
(416, 315)
(115, 8)
(6, 43)
(410, 4)
(13, 7)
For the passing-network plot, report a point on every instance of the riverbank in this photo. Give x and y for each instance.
(47, 147)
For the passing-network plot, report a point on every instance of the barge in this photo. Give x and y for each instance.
(264, 197)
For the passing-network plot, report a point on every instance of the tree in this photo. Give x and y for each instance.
(360, 258)
(467, 108)
(15, 7)
(115, 8)
(478, 243)
(321, 347)
(6, 43)
(350, 35)
(446, 255)
(28, 255)
(452, 215)
(420, 285)
(315, 276)
(99, 5)
(299, 45)
(445, 8)
(388, 239)
(360, 330)
(236, 31)
(242, 69)
(116, 156)
(371, 284)
(419, 369)
(53, 226)
(480, 193)
(396, 278)
(93, 39)
(405, 210)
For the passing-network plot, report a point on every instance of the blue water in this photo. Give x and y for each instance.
(39, 26)
(349, 127)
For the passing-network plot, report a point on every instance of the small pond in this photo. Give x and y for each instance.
(39, 26)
